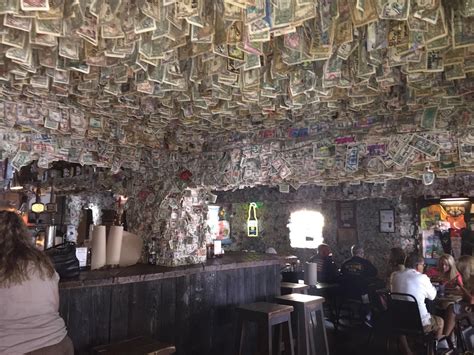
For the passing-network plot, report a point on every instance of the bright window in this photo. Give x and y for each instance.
(306, 229)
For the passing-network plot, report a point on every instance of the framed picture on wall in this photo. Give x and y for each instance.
(346, 215)
(387, 221)
(346, 237)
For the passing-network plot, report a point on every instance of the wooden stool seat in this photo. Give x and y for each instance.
(266, 315)
(136, 346)
(309, 322)
(290, 287)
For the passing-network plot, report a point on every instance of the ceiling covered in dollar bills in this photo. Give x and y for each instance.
(240, 92)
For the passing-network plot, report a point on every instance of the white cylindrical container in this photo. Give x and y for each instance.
(217, 247)
(114, 245)
(98, 247)
(311, 274)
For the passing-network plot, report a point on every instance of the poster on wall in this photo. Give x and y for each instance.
(387, 221)
(346, 215)
(218, 223)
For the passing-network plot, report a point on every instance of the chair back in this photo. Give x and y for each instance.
(405, 316)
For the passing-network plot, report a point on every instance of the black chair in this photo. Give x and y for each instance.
(380, 317)
(405, 320)
(464, 332)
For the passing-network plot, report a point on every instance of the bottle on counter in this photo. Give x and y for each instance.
(210, 250)
(152, 252)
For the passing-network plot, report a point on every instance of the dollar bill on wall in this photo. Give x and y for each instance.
(34, 5)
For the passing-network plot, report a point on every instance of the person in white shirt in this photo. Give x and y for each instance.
(412, 281)
(29, 297)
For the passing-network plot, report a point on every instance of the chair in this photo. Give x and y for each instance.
(309, 318)
(380, 316)
(266, 315)
(405, 319)
(355, 298)
(465, 333)
(332, 295)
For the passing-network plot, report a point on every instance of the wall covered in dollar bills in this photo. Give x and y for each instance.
(276, 208)
(240, 92)
(175, 218)
(337, 95)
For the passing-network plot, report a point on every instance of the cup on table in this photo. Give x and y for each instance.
(441, 290)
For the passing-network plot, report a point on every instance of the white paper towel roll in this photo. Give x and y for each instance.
(98, 247)
(114, 245)
(311, 274)
(217, 247)
(131, 252)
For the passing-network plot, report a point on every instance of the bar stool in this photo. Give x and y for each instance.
(310, 322)
(289, 287)
(266, 315)
(136, 346)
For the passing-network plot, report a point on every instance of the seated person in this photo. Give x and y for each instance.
(466, 268)
(447, 273)
(414, 282)
(396, 261)
(327, 269)
(357, 273)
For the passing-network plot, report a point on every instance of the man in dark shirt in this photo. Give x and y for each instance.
(357, 272)
(327, 269)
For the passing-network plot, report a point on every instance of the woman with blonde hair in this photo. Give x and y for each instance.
(29, 317)
(449, 274)
(466, 268)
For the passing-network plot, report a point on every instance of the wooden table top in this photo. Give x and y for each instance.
(451, 298)
(324, 286)
(294, 286)
(271, 309)
(301, 298)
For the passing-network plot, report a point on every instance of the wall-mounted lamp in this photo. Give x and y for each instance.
(454, 200)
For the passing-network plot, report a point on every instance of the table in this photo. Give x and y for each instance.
(450, 298)
(290, 287)
(331, 293)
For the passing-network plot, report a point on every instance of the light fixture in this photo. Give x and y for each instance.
(454, 201)
(38, 206)
(428, 176)
(15, 183)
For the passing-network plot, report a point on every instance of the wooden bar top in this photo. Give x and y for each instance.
(144, 272)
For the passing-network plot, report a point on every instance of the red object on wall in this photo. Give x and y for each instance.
(185, 175)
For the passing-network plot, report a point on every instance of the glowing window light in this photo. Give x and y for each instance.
(306, 229)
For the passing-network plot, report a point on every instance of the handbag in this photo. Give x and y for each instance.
(64, 259)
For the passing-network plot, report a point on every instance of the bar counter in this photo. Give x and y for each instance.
(191, 306)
